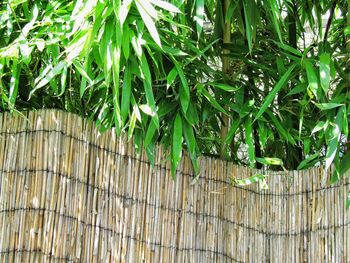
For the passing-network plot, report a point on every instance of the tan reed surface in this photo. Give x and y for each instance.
(69, 193)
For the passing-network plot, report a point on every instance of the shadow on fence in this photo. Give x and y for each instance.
(69, 193)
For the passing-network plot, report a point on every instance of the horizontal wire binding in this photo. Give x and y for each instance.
(98, 147)
(39, 251)
(161, 207)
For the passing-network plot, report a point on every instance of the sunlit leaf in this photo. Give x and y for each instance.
(166, 6)
(14, 83)
(270, 161)
(325, 71)
(44, 80)
(199, 18)
(335, 132)
(147, 19)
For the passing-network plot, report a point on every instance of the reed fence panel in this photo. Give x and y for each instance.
(70, 193)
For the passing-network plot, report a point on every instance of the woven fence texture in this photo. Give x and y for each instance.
(71, 194)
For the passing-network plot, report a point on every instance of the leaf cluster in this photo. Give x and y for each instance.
(152, 70)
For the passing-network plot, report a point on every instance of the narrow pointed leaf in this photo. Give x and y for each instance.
(270, 97)
(248, 129)
(325, 71)
(147, 19)
(126, 93)
(176, 144)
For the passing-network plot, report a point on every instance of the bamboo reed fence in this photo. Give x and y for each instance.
(69, 193)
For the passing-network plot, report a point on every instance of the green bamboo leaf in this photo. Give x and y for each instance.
(189, 137)
(249, 22)
(135, 107)
(328, 106)
(126, 93)
(263, 133)
(106, 49)
(325, 71)
(85, 77)
(63, 81)
(248, 129)
(171, 77)
(320, 126)
(29, 26)
(46, 78)
(250, 180)
(124, 10)
(76, 46)
(151, 131)
(344, 164)
(147, 19)
(150, 153)
(347, 31)
(126, 42)
(335, 133)
(15, 3)
(270, 97)
(148, 88)
(308, 161)
(81, 71)
(176, 144)
(232, 131)
(192, 114)
(224, 87)
(13, 83)
(184, 91)
(345, 122)
(270, 161)
(132, 125)
(151, 11)
(136, 42)
(312, 78)
(147, 110)
(134, 117)
(301, 88)
(166, 6)
(116, 53)
(199, 18)
(275, 17)
(212, 101)
(231, 9)
(165, 107)
(288, 48)
(280, 128)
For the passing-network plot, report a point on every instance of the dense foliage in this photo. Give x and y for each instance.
(212, 77)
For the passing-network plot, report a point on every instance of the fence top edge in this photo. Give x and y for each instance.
(204, 159)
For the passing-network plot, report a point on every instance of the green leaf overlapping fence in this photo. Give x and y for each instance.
(71, 194)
